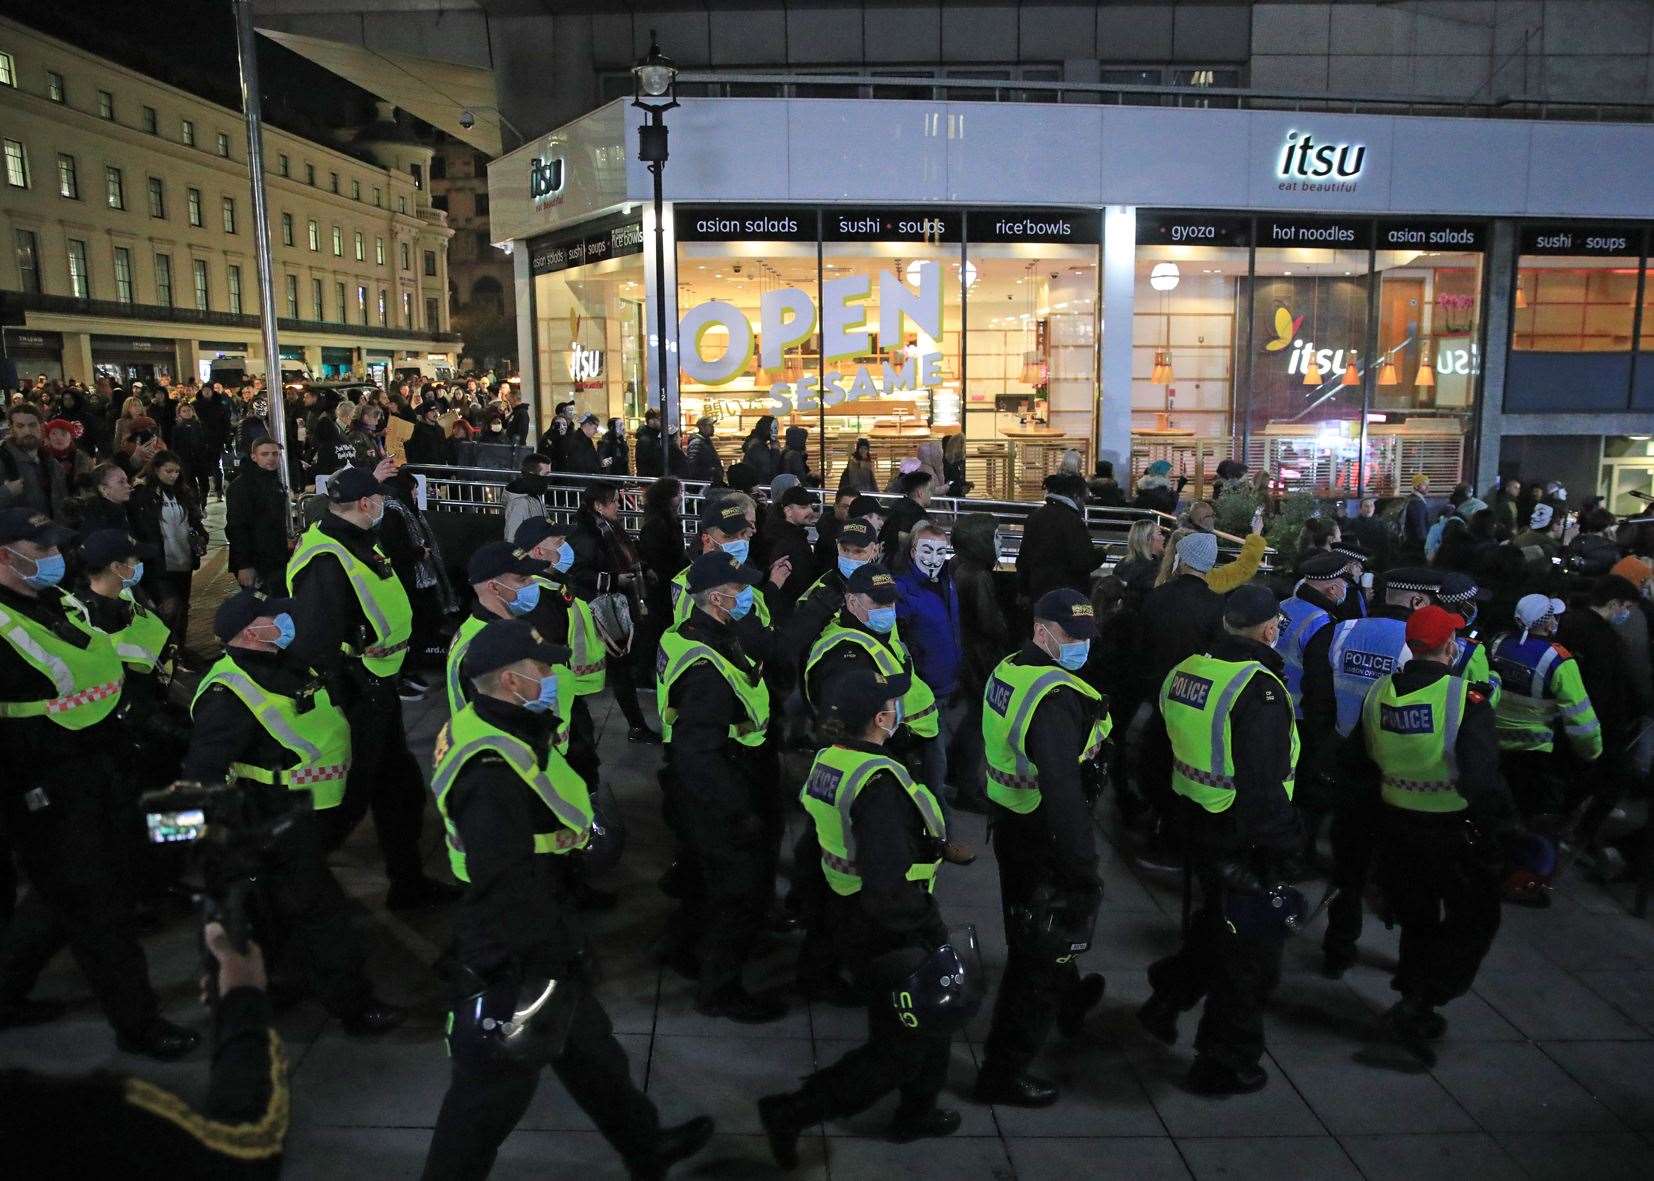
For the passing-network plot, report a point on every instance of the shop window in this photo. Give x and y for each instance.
(80, 278)
(1573, 319)
(123, 274)
(163, 280)
(1574, 305)
(27, 247)
(232, 279)
(17, 165)
(588, 333)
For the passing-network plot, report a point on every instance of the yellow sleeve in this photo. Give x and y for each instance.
(1226, 578)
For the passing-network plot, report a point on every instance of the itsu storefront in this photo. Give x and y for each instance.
(1346, 300)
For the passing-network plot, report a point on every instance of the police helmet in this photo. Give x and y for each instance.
(939, 993)
(1275, 913)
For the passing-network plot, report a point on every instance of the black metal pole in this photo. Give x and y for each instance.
(656, 168)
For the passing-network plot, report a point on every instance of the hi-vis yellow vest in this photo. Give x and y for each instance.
(891, 658)
(683, 606)
(459, 693)
(588, 658)
(1195, 701)
(311, 727)
(142, 641)
(86, 682)
(678, 654)
(381, 598)
(1413, 737)
(1009, 700)
(829, 794)
(567, 824)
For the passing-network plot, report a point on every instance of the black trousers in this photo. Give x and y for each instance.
(1234, 976)
(621, 680)
(1033, 986)
(487, 1096)
(1351, 836)
(78, 859)
(893, 1058)
(1445, 894)
(383, 776)
(1537, 781)
(310, 917)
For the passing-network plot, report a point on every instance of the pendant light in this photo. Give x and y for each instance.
(1352, 375)
(1033, 365)
(1312, 372)
(1521, 297)
(1426, 378)
(1387, 373)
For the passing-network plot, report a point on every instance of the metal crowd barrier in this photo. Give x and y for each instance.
(478, 490)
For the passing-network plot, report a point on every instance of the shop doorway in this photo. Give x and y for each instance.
(1627, 469)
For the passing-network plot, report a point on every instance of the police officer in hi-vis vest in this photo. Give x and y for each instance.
(1040, 724)
(1234, 755)
(879, 841)
(857, 544)
(1315, 603)
(263, 718)
(515, 815)
(561, 613)
(354, 624)
(726, 525)
(1429, 739)
(60, 685)
(1541, 689)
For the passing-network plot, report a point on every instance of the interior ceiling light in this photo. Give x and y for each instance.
(1165, 276)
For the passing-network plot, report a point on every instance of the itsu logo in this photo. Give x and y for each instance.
(585, 365)
(1314, 167)
(545, 179)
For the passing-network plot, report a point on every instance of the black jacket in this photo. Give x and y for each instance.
(716, 773)
(189, 440)
(1182, 616)
(1615, 694)
(903, 515)
(647, 445)
(702, 461)
(1056, 552)
(255, 521)
(602, 554)
(611, 454)
(225, 729)
(144, 509)
(580, 454)
(784, 540)
(427, 444)
(328, 615)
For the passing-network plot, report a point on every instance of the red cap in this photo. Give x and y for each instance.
(1430, 627)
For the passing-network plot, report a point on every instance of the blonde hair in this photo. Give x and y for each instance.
(345, 412)
(132, 407)
(1140, 539)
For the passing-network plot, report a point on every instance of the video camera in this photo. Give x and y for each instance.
(231, 828)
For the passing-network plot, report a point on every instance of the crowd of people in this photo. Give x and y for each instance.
(864, 660)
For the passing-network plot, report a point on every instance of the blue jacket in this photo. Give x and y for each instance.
(928, 614)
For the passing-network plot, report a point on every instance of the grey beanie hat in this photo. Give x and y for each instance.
(1197, 552)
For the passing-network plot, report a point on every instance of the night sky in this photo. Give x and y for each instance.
(191, 44)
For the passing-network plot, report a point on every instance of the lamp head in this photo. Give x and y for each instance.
(654, 76)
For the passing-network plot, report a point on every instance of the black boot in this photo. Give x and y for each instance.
(671, 1146)
(1014, 1090)
(1209, 1077)
(1159, 1017)
(374, 1017)
(929, 1124)
(160, 1039)
(741, 1006)
(784, 1118)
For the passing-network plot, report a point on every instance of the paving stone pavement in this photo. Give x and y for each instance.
(1547, 1070)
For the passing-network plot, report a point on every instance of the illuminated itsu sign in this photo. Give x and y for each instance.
(788, 316)
(545, 179)
(584, 364)
(1307, 166)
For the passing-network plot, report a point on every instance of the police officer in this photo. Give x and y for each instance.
(1354, 603)
(1040, 724)
(60, 685)
(354, 624)
(1234, 755)
(1429, 737)
(857, 545)
(503, 585)
(879, 837)
(515, 814)
(561, 612)
(1316, 601)
(726, 526)
(1541, 688)
(264, 719)
(715, 713)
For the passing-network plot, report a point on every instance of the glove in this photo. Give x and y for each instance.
(1237, 874)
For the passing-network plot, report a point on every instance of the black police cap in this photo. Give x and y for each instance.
(535, 530)
(103, 546)
(874, 581)
(858, 533)
(352, 483)
(1069, 610)
(718, 568)
(856, 695)
(503, 642)
(1323, 564)
(1249, 605)
(25, 524)
(724, 515)
(501, 557)
(241, 608)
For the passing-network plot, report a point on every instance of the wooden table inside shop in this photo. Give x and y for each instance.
(1038, 452)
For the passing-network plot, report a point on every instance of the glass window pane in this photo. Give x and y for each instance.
(588, 333)
(1569, 304)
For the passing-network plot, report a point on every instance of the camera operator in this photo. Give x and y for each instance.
(117, 1125)
(60, 685)
(262, 717)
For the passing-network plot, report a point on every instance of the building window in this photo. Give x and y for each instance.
(402, 205)
(379, 251)
(440, 201)
(224, 145)
(377, 203)
(8, 70)
(163, 280)
(293, 296)
(203, 295)
(334, 178)
(482, 204)
(357, 244)
(157, 197)
(123, 274)
(106, 105)
(439, 168)
(287, 229)
(338, 242)
(152, 121)
(430, 264)
(362, 303)
(483, 244)
(113, 190)
(232, 276)
(68, 183)
(194, 202)
(17, 165)
(318, 311)
(314, 233)
(229, 215)
(384, 311)
(80, 279)
(283, 165)
(407, 309)
(310, 175)
(54, 86)
(355, 190)
(432, 314)
(407, 255)
(418, 175)
(28, 261)
(339, 298)
(186, 132)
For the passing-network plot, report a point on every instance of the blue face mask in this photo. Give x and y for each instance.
(737, 549)
(285, 631)
(881, 619)
(565, 558)
(743, 602)
(1619, 618)
(48, 571)
(133, 579)
(525, 600)
(848, 566)
(1072, 655)
(546, 700)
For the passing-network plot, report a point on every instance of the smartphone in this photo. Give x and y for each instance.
(175, 828)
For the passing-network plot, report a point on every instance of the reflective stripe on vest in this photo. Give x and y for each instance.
(383, 600)
(891, 658)
(140, 643)
(835, 780)
(1413, 738)
(459, 693)
(678, 655)
(1362, 651)
(1196, 700)
(86, 682)
(1009, 700)
(1304, 620)
(559, 788)
(319, 738)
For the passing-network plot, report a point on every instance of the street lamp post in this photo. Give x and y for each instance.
(655, 92)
